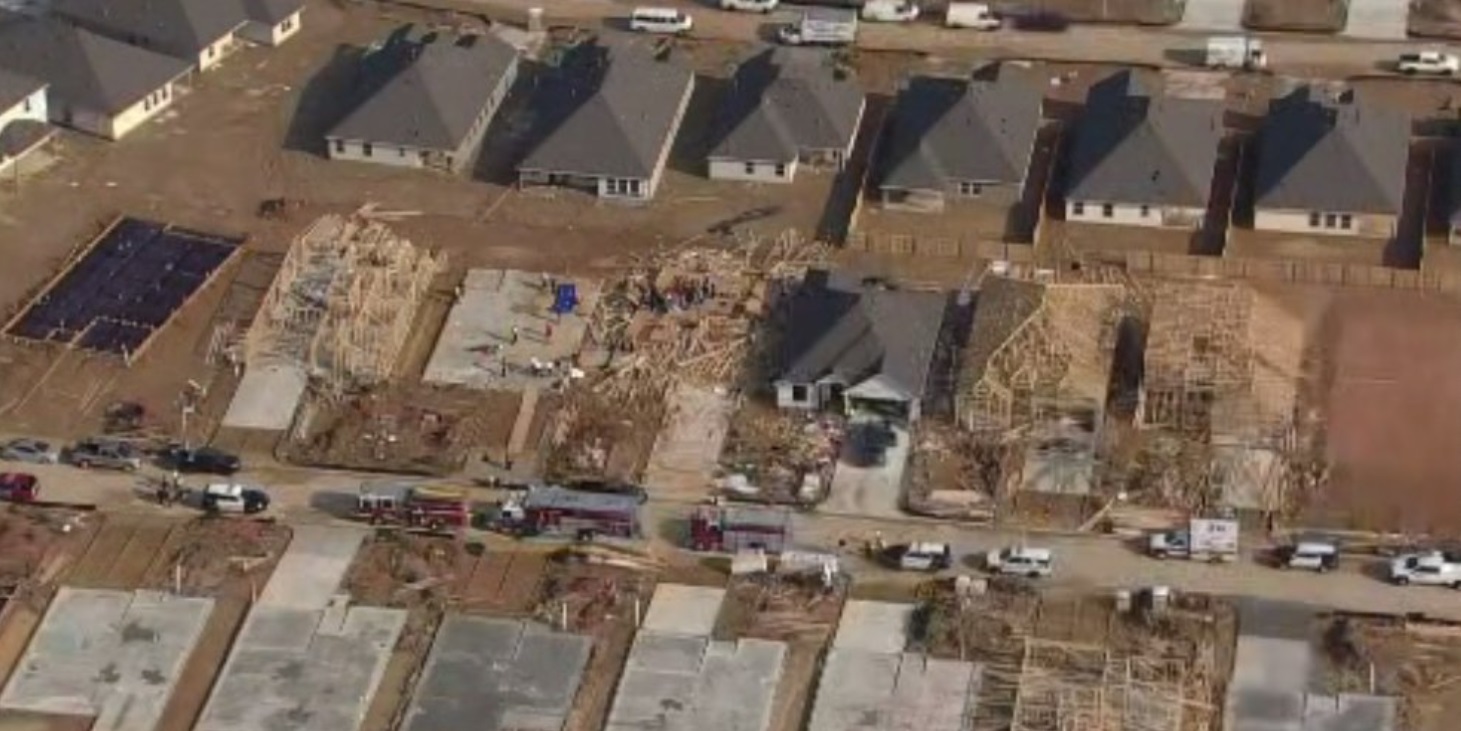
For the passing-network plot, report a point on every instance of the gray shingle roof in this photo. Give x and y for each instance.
(16, 87)
(947, 130)
(433, 102)
(1316, 154)
(1135, 147)
(271, 12)
(779, 105)
(84, 69)
(609, 115)
(173, 26)
(839, 326)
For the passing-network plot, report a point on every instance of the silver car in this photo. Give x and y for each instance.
(108, 454)
(32, 451)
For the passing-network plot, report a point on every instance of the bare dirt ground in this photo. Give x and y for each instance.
(1435, 18)
(1387, 410)
(1417, 661)
(411, 428)
(599, 601)
(1144, 12)
(1324, 16)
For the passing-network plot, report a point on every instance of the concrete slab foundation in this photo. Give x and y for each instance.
(299, 670)
(267, 397)
(497, 675)
(478, 338)
(687, 451)
(312, 568)
(682, 683)
(113, 655)
(683, 610)
(873, 626)
(875, 691)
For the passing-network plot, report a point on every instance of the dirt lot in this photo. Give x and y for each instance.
(1435, 18)
(1387, 408)
(1144, 12)
(1323, 16)
(1416, 661)
(414, 429)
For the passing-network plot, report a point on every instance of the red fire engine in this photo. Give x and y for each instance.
(18, 487)
(738, 528)
(424, 507)
(577, 514)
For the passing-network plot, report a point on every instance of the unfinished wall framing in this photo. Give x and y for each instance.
(344, 301)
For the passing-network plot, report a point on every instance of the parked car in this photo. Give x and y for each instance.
(660, 20)
(978, 16)
(111, 454)
(1046, 21)
(33, 451)
(1311, 555)
(201, 460)
(921, 556)
(751, 6)
(231, 497)
(19, 487)
(1431, 568)
(1021, 561)
(1434, 63)
(890, 11)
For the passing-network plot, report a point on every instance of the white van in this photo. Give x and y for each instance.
(890, 11)
(660, 20)
(751, 6)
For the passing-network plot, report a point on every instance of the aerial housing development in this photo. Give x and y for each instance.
(1071, 365)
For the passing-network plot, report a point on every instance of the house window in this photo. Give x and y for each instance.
(287, 24)
(1107, 210)
(780, 169)
(1078, 208)
(208, 52)
(1146, 211)
(1314, 219)
(799, 394)
(27, 104)
(1346, 221)
(1330, 220)
(367, 149)
(750, 168)
(147, 104)
(402, 151)
(971, 190)
(339, 145)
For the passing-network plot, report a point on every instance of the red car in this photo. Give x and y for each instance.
(18, 487)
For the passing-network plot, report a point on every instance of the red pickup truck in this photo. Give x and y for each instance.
(19, 487)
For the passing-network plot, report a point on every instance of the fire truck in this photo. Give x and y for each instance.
(421, 507)
(558, 511)
(739, 528)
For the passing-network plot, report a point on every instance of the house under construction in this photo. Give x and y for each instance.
(1222, 368)
(1037, 375)
(344, 301)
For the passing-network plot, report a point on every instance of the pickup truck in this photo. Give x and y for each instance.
(1434, 63)
(1020, 561)
(1432, 568)
(1204, 539)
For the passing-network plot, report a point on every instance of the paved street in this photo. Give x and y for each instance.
(1298, 54)
(1083, 562)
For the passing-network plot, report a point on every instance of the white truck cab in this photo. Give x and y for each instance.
(1020, 561)
(1428, 62)
(924, 556)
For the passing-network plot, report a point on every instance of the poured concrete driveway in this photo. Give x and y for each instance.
(869, 478)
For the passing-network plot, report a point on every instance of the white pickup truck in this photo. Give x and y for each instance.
(1432, 568)
(1204, 539)
(1434, 63)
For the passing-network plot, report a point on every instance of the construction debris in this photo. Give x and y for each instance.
(344, 301)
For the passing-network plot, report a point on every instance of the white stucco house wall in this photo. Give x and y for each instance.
(271, 22)
(24, 120)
